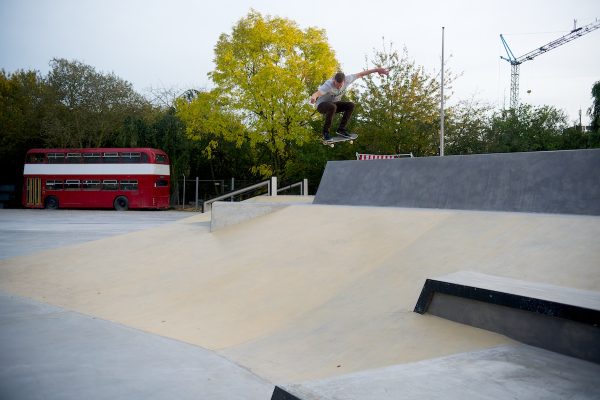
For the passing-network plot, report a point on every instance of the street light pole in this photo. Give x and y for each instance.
(442, 102)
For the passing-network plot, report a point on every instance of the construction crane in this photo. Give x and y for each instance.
(515, 62)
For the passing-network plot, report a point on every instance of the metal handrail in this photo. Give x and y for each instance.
(237, 192)
(293, 185)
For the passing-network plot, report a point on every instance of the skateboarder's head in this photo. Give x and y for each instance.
(338, 79)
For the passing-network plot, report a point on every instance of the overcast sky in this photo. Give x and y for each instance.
(169, 44)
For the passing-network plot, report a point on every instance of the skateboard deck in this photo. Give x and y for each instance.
(339, 139)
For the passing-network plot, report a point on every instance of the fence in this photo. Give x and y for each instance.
(201, 193)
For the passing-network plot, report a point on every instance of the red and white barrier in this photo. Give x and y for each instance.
(360, 156)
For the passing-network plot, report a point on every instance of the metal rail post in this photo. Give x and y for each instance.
(197, 184)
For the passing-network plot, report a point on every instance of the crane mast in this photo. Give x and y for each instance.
(515, 62)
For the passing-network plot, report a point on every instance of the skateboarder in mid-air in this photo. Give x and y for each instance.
(328, 98)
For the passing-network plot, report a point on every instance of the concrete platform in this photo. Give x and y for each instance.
(515, 372)
(47, 352)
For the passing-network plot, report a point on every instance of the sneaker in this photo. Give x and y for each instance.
(326, 136)
(343, 132)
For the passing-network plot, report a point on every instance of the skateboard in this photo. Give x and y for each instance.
(339, 139)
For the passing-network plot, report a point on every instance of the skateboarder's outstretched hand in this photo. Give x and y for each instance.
(383, 71)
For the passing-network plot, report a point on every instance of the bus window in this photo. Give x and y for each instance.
(111, 158)
(73, 158)
(91, 158)
(56, 158)
(129, 185)
(110, 185)
(36, 158)
(161, 159)
(54, 185)
(91, 185)
(71, 184)
(131, 157)
(161, 183)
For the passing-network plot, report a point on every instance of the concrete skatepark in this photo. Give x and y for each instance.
(289, 298)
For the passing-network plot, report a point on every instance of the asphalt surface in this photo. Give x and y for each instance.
(47, 352)
(24, 232)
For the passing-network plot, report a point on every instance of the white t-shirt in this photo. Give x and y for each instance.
(331, 93)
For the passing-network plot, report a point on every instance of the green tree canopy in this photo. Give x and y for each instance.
(89, 106)
(400, 112)
(526, 128)
(466, 127)
(22, 108)
(266, 69)
(594, 110)
(22, 105)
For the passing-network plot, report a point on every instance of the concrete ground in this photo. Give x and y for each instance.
(308, 292)
(28, 231)
(47, 352)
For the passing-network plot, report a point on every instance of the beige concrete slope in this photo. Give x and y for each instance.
(308, 291)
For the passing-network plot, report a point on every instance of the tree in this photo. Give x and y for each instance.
(89, 106)
(400, 112)
(465, 127)
(219, 133)
(22, 107)
(265, 71)
(594, 110)
(526, 128)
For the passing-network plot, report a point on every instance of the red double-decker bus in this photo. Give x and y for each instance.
(119, 178)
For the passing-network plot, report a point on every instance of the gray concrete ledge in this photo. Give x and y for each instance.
(516, 372)
(560, 319)
(226, 213)
(562, 182)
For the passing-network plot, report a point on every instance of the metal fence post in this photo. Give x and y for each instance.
(273, 186)
(197, 184)
(305, 187)
(183, 200)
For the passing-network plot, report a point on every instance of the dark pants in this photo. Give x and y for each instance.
(329, 108)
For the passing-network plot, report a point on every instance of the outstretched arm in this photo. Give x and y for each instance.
(315, 96)
(380, 71)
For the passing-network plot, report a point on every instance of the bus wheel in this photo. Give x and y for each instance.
(121, 203)
(51, 203)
